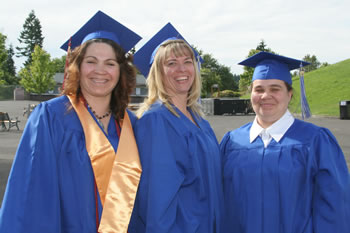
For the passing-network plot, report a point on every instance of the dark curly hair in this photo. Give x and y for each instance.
(120, 97)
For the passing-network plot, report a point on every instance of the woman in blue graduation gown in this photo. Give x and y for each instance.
(60, 179)
(181, 185)
(282, 174)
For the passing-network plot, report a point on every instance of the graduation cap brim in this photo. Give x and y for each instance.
(142, 58)
(102, 22)
(272, 66)
(254, 60)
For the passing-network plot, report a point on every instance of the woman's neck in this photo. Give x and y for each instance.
(101, 105)
(180, 102)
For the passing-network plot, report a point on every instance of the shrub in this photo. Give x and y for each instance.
(227, 93)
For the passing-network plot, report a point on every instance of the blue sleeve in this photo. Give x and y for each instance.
(157, 200)
(30, 202)
(132, 117)
(223, 143)
(228, 199)
(331, 204)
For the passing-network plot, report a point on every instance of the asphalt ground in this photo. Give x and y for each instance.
(221, 124)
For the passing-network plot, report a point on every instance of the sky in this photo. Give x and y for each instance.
(226, 29)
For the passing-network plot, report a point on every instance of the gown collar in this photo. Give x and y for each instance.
(276, 130)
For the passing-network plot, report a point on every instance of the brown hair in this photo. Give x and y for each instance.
(288, 86)
(120, 97)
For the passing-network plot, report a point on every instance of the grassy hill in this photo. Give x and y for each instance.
(325, 88)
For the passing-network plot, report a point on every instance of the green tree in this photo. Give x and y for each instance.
(30, 37)
(59, 64)
(324, 64)
(209, 79)
(246, 78)
(315, 64)
(214, 73)
(3, 58)
(262, 46)
(227, 79)
(10, 69)
(37, 77)
(7, 68)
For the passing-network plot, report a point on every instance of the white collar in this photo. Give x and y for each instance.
(276, 130)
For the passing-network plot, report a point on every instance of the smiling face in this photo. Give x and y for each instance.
(270, 99)
(179, 73)
(99, 71)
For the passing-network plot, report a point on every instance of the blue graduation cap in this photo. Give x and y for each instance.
(144, 57)
(272, 66)
(103, 26)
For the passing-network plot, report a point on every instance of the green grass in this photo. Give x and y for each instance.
(325, 88)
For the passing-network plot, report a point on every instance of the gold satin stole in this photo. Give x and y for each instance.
(117, 175)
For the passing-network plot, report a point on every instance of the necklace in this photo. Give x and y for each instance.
(97, 116)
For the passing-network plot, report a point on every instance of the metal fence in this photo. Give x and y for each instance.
(221, 106)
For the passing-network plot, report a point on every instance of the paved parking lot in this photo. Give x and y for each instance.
(221, 124)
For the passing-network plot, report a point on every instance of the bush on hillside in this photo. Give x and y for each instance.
(227, 93)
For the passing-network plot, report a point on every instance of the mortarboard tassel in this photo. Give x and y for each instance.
(198, 58)
(67, 63)
(305, 109)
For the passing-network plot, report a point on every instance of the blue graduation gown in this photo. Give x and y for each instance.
(180, 189)
(51, 183)
(299, 185)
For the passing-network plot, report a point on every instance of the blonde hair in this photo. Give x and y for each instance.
(155, 79)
